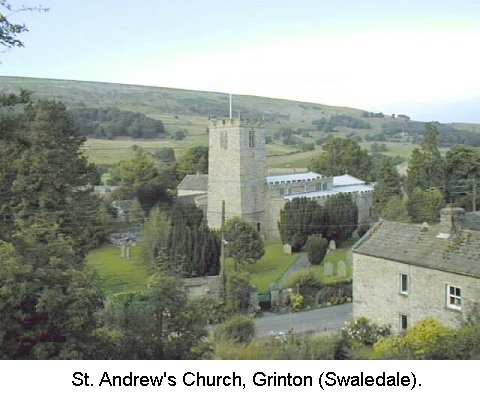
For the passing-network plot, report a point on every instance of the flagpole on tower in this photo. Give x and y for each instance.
(230, 106)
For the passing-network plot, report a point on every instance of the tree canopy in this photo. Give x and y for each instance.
(244, 243)
(341, 156)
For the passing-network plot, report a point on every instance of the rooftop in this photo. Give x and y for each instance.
(346, 180)
(424, 246)
(304, 176)
(194, 182)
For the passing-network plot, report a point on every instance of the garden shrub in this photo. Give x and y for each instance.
(316, 249)
(238, 329)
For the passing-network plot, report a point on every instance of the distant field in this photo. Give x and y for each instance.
(107, 152)
(189, 110)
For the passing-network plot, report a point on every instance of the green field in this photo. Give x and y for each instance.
(268, 269)
(116, 274)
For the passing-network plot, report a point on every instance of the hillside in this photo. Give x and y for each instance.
(288, 123)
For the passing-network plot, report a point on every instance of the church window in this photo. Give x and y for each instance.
(224, 140)
(251, 138)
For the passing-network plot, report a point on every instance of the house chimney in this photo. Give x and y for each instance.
(450, 218)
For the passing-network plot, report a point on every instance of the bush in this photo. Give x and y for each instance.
(316, 249)
(296, 300)
(238, 292)
(365, 332)
(426, 340)
(307, 285)
(237, 329)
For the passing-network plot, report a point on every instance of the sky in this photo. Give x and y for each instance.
(419, 57)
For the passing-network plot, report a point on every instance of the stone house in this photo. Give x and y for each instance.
(405, 273)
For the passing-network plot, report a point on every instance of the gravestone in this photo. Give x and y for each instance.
(287, 249)
(341, 269)
(332, 246)
(328, 268)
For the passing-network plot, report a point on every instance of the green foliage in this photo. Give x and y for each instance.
(191, 244)
(160, 323)
(296, 301)
(395, 209)
(156, 232)
(425, 205)
(341, 217)
(305, 284)
(300, 218)
(341, 156)
(40, 281)
(194, 160)
(462, 166)
(140, 178)
(237, 294)
(281, 347)
(363, 331)
(340, 120)
(387, 186)
(110, 122)
(426, 166)
(9, 31)
(426, 340)
(303, 217)
(244, 243)
(268, 269)
(238, 329)
(165, 154)
(316, 247)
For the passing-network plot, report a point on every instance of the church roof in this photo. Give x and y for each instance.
(304, 176)
(194, 182)
(424, 246)
(346, 180)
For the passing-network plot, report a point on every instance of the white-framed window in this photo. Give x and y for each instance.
(454, 297)
(403, 322)
(403, 283)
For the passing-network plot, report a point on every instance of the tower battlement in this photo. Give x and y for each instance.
(234, 123)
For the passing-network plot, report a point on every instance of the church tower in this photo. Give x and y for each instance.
(236, 171)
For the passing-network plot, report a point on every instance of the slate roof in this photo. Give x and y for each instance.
(194, 182)
(423, 246)
(304, 176)
(346, 180)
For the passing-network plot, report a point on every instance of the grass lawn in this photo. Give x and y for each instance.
(334, 257)
(268, 269)
(116, 274)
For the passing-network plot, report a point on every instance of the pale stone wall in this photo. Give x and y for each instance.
(272, 217)
(210, 286)
(376, 293)
(236, 172)
(364, 204)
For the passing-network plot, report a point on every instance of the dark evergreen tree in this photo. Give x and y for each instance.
(388, 185)
(343, 156)
(316, 249)
(341, 217)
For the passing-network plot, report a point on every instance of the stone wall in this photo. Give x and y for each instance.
(376, 293)
(236, 171)
(211, 286)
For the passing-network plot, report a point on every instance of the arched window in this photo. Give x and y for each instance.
(251, 138)
(224, 140)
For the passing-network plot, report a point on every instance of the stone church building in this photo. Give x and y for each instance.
(237, 175)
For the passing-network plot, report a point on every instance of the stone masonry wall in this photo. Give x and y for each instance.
(211, 286)
(376, 293)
